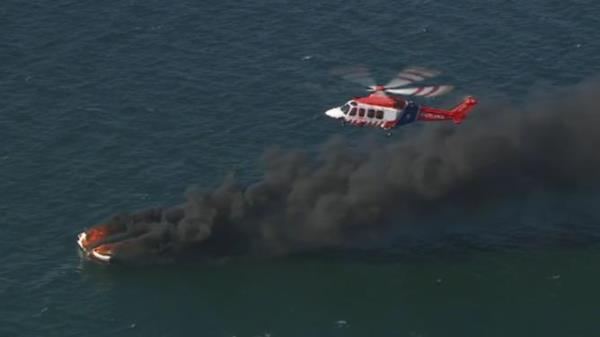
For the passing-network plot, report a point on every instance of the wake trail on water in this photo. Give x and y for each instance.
(345, 194)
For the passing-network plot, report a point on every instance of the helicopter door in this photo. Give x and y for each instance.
(409, 114)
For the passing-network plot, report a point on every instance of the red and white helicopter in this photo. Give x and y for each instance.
(387, 108)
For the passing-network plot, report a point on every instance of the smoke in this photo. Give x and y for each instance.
(346, 194)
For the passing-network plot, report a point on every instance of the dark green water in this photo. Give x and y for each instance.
(118, 106)
(539, 293)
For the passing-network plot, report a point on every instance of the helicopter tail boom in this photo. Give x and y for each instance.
(457, 114)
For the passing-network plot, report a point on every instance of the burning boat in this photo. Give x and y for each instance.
(141, 233)
(89, 242)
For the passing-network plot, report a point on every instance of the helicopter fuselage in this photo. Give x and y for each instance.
(388, 112)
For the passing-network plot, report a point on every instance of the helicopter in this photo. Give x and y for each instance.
(387, 106)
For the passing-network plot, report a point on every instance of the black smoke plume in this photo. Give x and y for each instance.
(346, 194)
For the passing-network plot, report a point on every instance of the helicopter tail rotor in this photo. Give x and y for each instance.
(460, 112)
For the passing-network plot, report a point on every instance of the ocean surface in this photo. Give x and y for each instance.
(111, 106)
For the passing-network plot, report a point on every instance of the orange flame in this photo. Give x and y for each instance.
(94, 235)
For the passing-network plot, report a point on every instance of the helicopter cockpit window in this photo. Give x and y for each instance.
(352, 112)
(379, 114)
(371, 113)
(353, 103)
(345, 108)
(361, 112)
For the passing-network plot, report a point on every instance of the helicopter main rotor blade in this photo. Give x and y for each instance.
(431, 91)
(359, 75)
(411, 75)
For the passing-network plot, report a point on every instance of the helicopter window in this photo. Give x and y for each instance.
(345, 108)
(361, 112)
(353, 103)
(379, 114)
(371, 113)
(353, 112)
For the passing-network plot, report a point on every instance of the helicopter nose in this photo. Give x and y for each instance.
(335, 113)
